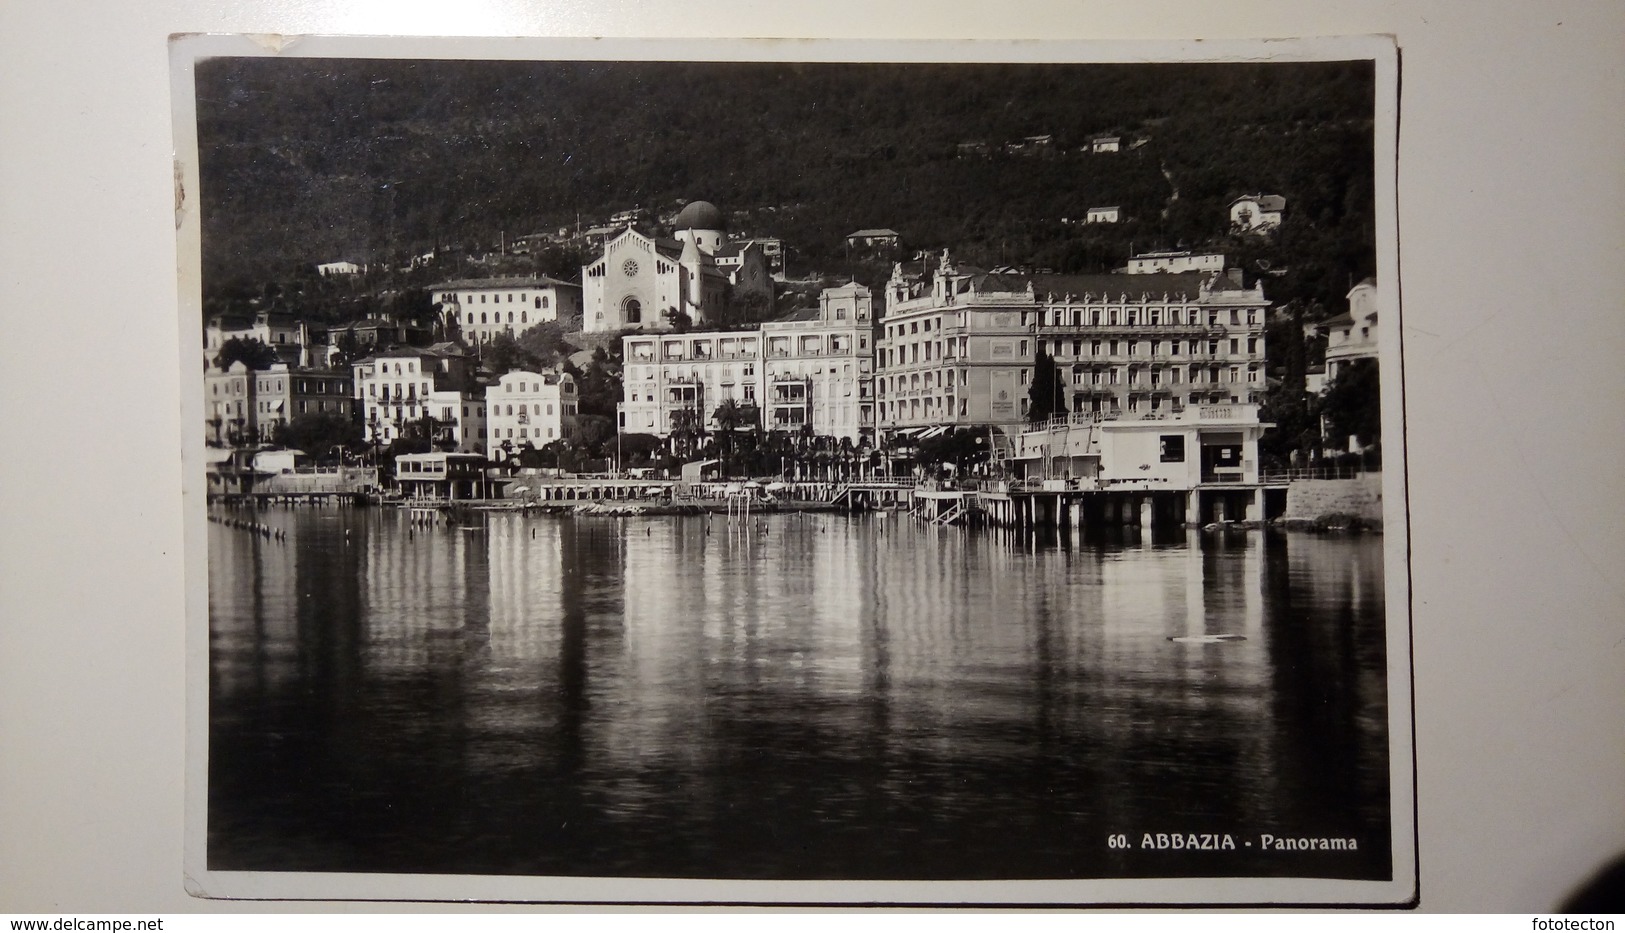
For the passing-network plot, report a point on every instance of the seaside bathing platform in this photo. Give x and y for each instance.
(1058, 504)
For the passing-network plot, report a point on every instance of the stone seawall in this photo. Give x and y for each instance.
(1313, 499)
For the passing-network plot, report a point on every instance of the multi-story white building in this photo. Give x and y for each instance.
(459, 418)
(1174, 262)
(811, 368)
(1352, 335)
(478, 309)
(527, 408)
(819, 366)
(961, 348)
(395, 388)
(231, 412)
(669, 381)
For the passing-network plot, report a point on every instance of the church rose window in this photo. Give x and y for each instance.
(629, 268)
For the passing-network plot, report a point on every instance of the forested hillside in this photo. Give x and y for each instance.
(312, 160)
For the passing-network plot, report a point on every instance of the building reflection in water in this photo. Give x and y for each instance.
(800, 695)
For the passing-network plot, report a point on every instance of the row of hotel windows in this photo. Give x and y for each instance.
(931, 407)
(1134, 317)
(372, 390)
(566, 388)
(701, 351)
(305, 406)
(568, 408)
(1097, 317)
(1059, 348)
(911, 353)
(523, 318)
(838, 417)
(447, 412)
(748, 371)
(540, 300)
(387, 432)
(339, 388)
(777, 346)
(1120, 375)
(238, 387)
(523, 433)
(677, 395)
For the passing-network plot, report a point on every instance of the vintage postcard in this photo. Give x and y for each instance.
(794, 472)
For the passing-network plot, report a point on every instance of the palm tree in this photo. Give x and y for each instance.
(728, 416)
(685, 428)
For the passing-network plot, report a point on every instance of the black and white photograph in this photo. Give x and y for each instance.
(731, 472)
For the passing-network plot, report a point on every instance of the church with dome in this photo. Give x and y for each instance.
(641, 282)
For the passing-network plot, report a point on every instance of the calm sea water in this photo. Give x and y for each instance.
(806, 696)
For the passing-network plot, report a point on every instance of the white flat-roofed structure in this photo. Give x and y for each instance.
(871, 238)
(528, 409)
(1103, 215)
(450, 476)
(476, 310)
(1203, 445)
(1174, 262)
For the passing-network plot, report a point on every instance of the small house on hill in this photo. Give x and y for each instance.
(1257, 212)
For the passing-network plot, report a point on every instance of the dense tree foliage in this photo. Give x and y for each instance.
(307, 160)
(1047, 395)
(1352, 404)
(252, 353)
(962, 447)
(546, 343)
(503, 354)
(424, 171)
(322, 435)
(598, 385)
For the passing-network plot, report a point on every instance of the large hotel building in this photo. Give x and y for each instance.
(810, 368)
(959, 348)
(1160, 374)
